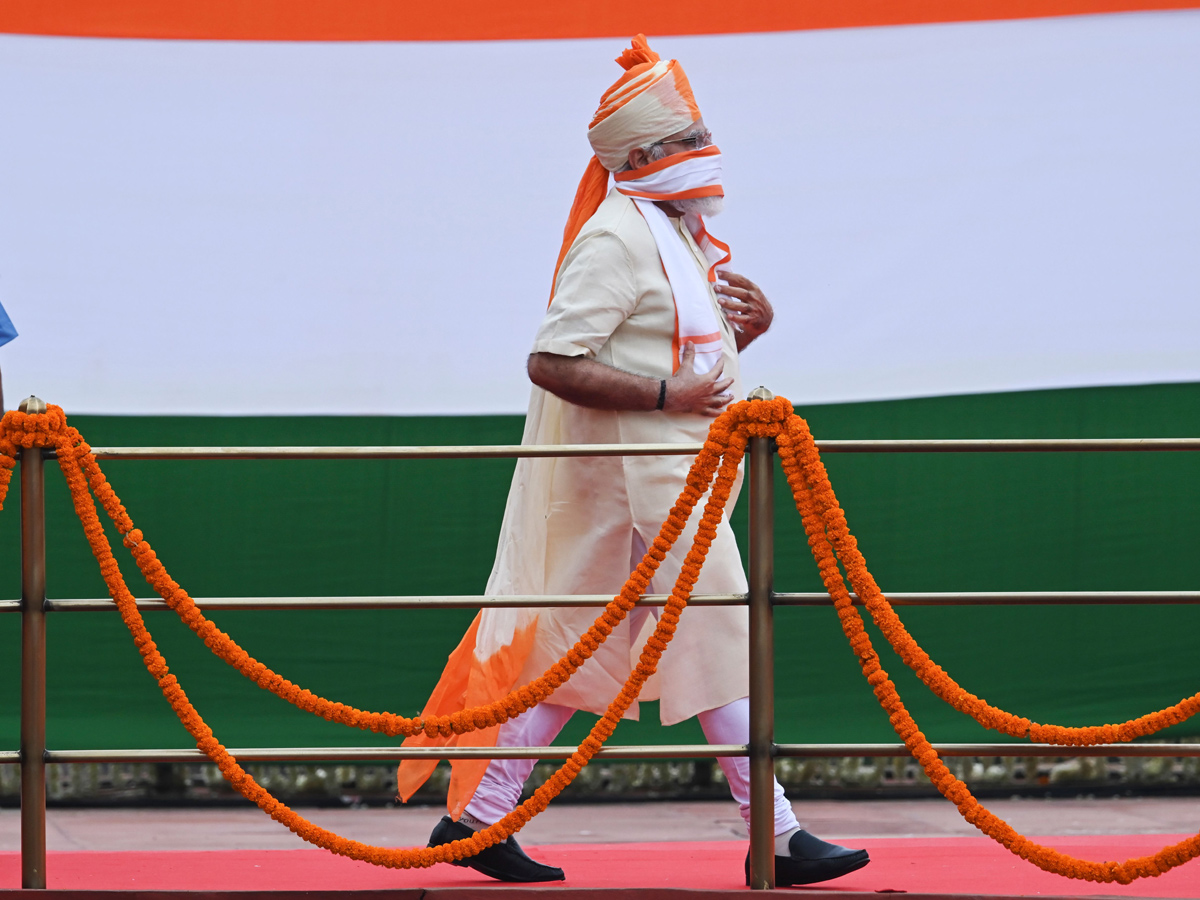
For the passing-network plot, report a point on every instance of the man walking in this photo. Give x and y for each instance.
(639, 344)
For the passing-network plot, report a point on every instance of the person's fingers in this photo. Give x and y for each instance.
(737, 283)
(729, 303)
(726, 290)
(745, 286)
(715, 372)
(721, 385)
(687, 363)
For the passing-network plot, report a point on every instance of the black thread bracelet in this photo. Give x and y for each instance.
(662, 393)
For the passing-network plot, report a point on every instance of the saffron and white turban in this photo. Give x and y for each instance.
(650, 101)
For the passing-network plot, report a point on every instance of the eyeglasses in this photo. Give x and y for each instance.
(695, 141)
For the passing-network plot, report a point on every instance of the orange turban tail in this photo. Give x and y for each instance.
(593, 187)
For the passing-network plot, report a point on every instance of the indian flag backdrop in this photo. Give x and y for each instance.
(267, 223)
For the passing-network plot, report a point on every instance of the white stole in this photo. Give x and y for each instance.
(680, 176)
(695, 316)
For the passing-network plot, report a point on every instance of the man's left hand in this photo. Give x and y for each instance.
(746, 307)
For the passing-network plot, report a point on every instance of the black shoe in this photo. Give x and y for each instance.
(813, 860)
(506, 862)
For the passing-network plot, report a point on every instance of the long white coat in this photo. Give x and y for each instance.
(570, 523)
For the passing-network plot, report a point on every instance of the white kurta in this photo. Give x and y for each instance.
(570, 523)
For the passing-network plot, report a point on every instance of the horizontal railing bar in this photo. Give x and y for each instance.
(1006, 598)
(663, 751)
(300, 754)
(11, 606)
(1010, 445)
(514, 451)
(483, 451)
(10, 756)
(809, 751)
(470, 601)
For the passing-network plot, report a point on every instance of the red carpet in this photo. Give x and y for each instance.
(916, 866)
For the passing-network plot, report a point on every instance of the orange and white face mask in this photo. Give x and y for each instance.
(681, 176)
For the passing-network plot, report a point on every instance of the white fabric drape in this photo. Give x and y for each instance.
(697, 320)
(980, 206)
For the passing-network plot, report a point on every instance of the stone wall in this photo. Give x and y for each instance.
(71, 784)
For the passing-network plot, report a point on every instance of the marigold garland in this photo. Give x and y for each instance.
(464, 721)
(933, 675)
(75, 459)
(830, 540)
(828, 537)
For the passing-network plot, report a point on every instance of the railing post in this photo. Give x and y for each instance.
(762, 659)
(33, 661)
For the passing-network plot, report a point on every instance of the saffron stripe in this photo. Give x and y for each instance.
(477, 20)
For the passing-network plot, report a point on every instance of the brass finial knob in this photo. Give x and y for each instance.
(33, 405)
(760, 393)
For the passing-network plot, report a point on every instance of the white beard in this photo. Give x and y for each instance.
(700, 206)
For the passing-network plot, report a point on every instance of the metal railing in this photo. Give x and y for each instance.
(762, 750)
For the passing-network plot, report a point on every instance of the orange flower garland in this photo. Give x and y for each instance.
(75, 458)
(828, 536)
(24, 430)
(827, 531)
(933, 675)
(464, 721)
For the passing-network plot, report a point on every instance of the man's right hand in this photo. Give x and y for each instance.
(705, 394)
